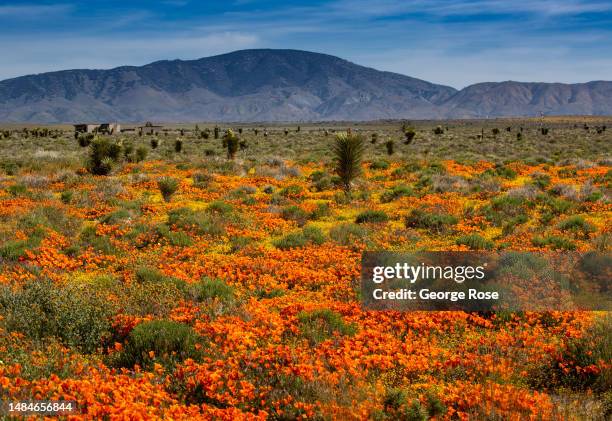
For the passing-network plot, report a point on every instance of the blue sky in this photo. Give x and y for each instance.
(444, 41)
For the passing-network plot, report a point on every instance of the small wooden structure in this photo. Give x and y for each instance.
(106, 128)
(149, 128)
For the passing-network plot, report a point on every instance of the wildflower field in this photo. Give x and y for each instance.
(185, 275)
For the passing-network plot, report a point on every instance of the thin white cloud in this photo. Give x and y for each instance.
(33, 11)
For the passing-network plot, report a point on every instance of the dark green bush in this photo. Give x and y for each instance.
(554, 242)
(396, 192)
(475, 242)
(437, 222)
(323, 324)
(296, 214)
(171, 343)
(379, 165)
(199, 221)
(77, 314)
(211, 289)
(577, 225)
(348, 234)
(308, 235)
(371, 216)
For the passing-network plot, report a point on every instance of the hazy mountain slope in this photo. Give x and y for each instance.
(528, 99)
(273, 85)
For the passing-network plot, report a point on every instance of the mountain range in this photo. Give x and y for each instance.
(277, 85)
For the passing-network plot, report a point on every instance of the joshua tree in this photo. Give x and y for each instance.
(178, 145)
(286, 132)
(390, 145)
(348, 152)
(374, 138)
(409, 133)
(216, 132)
(231, 141)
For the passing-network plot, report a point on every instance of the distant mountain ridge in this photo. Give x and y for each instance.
(277, 85)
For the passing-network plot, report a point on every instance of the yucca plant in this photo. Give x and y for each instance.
(348, 153)
(231, 141)
(167, 186)
(102, 156)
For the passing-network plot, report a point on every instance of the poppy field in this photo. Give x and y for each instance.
(195, 275)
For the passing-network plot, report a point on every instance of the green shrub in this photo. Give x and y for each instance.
(199, 221)
(292, 190)
(213, 289)
(554, 242)
(502, 171)
(379, 165)
(85, 139)
(66, 196)
(99, 243)
(295, 213)
(77, 314)
(175, 238)
(348, 153)
(395, 193)
(541, 180)
(141, 153)
(348, 234)
(320, 325)
(167, 186)
(171, 343)
(17, 189)
(475, 242)
(437, 222)
(566, 370)
(308, 235)
(371, 216)
(321, 211)
(505, 207)
(578, 225)
(115, 217)
(512, 223)
(149, 275)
